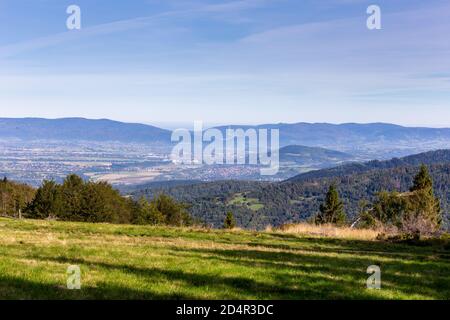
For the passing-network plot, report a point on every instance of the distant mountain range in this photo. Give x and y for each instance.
(375, 140)
(81, 129)
(329, 134)
(369, 141)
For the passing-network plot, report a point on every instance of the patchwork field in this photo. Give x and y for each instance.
(133, 262)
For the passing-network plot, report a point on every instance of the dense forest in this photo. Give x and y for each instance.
(428, 158)
(256, 204)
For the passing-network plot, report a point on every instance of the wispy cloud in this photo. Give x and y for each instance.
(414, 40)
(233, 6)
(128, 24)
(292, 61)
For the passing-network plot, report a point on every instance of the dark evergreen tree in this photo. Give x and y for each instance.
(47, 201)
(72, 195)
(76, 200)
(332, 210)
(423, 180)
(423, 205)
(229, 222)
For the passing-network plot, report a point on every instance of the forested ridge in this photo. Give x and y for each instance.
(300, 198)
(428, 158)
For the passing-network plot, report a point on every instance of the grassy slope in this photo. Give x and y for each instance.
(131, 262)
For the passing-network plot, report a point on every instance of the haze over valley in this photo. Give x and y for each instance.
(130, 154)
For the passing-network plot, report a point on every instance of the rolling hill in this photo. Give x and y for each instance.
(303, 154)
(67, 129)
(297, 199)
(429, 158)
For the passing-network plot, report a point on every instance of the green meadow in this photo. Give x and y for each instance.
(136, 262)
(242, 200)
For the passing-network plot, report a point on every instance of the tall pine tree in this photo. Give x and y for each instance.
(423, 203)
(230, 222)
(332, 210)
(422, 181)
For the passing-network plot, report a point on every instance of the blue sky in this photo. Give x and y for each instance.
(227, 61)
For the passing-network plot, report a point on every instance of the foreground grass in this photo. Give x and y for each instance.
(132, 262)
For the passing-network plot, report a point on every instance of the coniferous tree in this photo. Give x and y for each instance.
(423, 180)
(47, 201)
(332, 210)
(72, 191)
(422, 202)
(230, 222)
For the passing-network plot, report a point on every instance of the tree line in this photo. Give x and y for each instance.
(14, 197)
(77, 200)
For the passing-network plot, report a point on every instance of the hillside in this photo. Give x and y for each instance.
(429, 158)
(311, 155)
(298, 199)
(67, 129)
(130, 262)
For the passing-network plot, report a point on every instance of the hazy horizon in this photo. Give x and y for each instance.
(227, 61)
(189, 125)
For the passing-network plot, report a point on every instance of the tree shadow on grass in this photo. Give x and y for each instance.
(225, 287)
(361, 247)
(14, 288)
(290, 276)
(428, 279)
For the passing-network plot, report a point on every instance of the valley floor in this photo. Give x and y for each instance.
(134, 262)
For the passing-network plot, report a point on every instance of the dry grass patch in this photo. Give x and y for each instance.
(329, 231)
